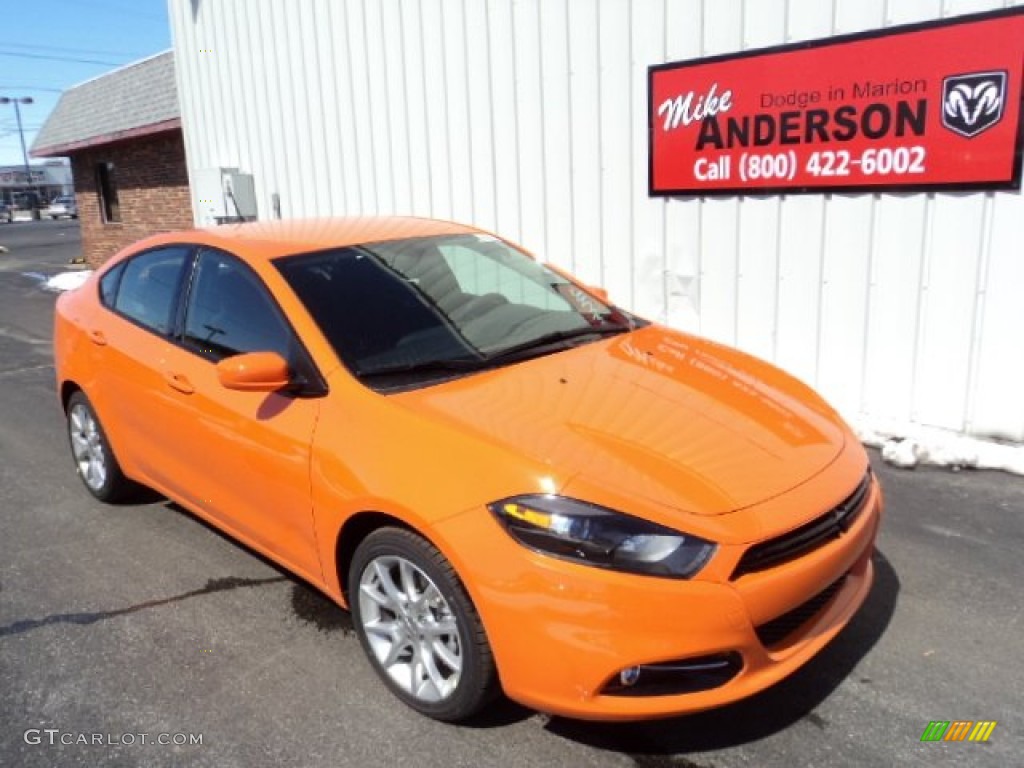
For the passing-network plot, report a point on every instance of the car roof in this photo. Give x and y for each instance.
(270, 239)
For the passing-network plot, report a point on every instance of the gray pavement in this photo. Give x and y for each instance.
(139, 619)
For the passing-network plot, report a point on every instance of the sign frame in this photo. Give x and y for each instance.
(1013, 183)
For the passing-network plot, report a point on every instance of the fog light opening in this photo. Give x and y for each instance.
(629, 676)
(671, 678)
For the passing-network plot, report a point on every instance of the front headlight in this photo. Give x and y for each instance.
(601, 537)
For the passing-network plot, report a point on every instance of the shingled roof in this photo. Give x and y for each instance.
(136, 100)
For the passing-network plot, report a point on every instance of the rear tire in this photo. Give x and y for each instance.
(94, 460)
(418, 627)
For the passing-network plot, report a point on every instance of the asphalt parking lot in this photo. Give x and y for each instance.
(130, 620)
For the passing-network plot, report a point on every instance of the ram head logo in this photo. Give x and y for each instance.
(973, 103)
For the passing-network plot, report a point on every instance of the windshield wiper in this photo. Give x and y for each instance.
(468, 365)
(425, 366)
(555, 337)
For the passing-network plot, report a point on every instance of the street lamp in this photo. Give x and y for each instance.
(21, 132)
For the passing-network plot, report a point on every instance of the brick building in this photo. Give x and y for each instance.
(122, 132)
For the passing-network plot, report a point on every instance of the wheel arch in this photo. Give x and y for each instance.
(354, 531)
(67, 389)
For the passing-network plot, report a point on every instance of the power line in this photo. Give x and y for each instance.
(117, 8)
(31, 88)
(18, 55)
(64, 49)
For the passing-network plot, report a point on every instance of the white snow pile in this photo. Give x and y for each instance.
(67, 281)
(910, 445)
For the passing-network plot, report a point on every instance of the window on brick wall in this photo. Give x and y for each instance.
(106, 184)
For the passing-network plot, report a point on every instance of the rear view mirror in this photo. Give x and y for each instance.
(254, 372)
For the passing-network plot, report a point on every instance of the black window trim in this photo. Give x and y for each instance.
(308, 374)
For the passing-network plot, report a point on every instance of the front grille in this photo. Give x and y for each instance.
(775, 631)
(808, 537)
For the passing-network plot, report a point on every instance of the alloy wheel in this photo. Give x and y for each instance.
(410, 628)
(87, 446)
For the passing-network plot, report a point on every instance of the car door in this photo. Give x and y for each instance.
(128, 346)
(248, 453)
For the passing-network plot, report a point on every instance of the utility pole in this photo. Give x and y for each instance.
(21, 131)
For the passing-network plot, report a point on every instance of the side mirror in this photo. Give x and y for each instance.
(254, 372)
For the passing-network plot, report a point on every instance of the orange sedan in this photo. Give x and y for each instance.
(511, 483)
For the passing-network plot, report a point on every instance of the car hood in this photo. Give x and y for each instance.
(680, 421)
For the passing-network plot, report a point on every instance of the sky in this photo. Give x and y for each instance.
(48, 46)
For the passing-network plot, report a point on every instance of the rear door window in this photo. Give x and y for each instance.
(149, 286)
(109, 284)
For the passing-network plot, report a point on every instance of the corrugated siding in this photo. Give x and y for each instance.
(529, 118)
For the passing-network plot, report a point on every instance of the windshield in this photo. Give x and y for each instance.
(412, 311)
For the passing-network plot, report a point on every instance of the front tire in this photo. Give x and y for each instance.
(94, 460)
(418, 627)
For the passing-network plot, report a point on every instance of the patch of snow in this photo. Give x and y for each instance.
(907, 446)
(900, 453)
(67, 281)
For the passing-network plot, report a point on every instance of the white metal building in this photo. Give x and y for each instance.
(529, 118)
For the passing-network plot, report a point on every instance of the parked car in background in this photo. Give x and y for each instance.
(61, 207)
(512, 483)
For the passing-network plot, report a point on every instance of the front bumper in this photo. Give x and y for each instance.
(562, 632)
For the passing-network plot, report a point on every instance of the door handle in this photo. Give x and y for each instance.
(98, 337)
(179, 382)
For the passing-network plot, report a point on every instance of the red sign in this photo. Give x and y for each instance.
(935, 105)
